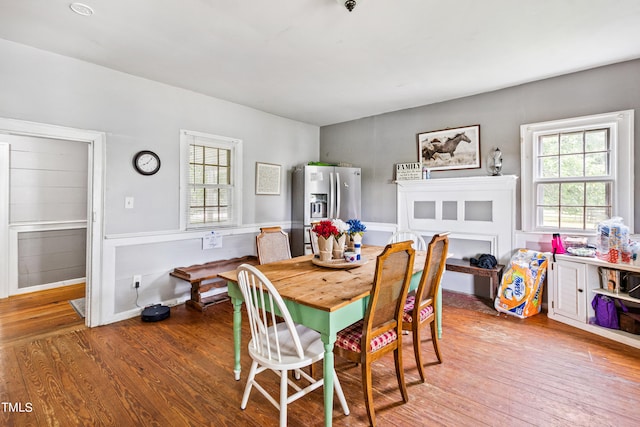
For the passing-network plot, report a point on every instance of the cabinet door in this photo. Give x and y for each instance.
(569, 293)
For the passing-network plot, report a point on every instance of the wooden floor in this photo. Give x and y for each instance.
(39, 314)
(497, 371)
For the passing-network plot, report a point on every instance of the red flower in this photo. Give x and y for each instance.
(325, 229)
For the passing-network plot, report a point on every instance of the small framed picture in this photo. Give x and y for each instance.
(268, 178)
(457, 148)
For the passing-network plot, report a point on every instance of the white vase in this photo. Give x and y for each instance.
(325, 244)
(356, 237)
(325, 256)
(338, 246)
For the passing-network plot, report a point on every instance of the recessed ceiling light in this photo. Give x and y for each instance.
(81, 9)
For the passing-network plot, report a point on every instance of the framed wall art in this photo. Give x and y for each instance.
(457, 148)
(268, 178)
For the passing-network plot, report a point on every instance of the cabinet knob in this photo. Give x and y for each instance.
(580, 290)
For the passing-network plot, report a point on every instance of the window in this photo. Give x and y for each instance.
(211, 174)
(577, 172)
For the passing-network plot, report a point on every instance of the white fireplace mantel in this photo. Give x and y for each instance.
(475, 208)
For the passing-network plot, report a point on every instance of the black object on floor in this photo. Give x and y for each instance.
(156, 312)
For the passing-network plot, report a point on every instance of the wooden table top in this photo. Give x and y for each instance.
(327, 289)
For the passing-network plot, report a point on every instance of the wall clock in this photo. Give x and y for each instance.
(146, 162)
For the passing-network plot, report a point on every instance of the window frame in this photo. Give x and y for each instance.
(620, 125)
(234, 145)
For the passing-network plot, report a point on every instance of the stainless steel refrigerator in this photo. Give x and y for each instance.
(320, 193)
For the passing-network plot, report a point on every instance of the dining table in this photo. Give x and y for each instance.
(324, 298)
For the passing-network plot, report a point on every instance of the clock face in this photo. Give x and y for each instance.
(146, 162)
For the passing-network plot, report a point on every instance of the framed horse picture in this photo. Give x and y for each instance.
(453, 148)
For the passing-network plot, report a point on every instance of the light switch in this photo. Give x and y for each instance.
(128, 202)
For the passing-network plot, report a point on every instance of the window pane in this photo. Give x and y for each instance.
(191, 173)
(549, 145)
(197, 152)
(595, 215)
(224, 197)
(597, 194)
(224, 157)
(224, 213)
(212, 197)
(197, 197)
(596, 140)
(571, 217)
(211, 215)
(549, 168)
(571, 143)
(572, 194)
(211, 156)
(196, 215)
(596, 164)
(549, 194)
(224, 176)
(198, 174)
(548, 216)
(571, 166)
(210, 175)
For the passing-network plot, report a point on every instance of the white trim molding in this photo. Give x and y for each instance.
(95, 201)
(621, 125)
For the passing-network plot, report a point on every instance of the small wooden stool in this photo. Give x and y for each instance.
(196, 274)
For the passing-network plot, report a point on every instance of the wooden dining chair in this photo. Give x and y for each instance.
(273, 245)
(402, 235)
(313, 239)
(379, 332)
(421, 307)
(279, 346)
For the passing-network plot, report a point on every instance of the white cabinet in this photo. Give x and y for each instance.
(572, 284)
(569, 298)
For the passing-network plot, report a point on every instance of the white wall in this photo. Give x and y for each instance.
(139, 114)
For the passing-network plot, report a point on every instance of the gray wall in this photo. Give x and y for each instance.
(377, 143)
(51, 256)
(138, 114)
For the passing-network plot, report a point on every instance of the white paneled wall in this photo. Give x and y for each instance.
(48, 180)
(48, 191)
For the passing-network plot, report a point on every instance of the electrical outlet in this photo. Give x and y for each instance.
(137, 281)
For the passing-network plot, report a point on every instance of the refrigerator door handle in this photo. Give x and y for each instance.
(332, 195)
(337, 195)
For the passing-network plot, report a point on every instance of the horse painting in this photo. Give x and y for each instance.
(449, 146)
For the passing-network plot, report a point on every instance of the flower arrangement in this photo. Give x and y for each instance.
(356, 227)
(342, 226)
(325, 229)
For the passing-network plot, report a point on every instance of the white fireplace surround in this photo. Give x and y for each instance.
(481, 208)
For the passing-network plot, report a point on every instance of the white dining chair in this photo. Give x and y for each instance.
(279, 347)
(400, 236)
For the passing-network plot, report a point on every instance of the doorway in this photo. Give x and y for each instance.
(94, 143)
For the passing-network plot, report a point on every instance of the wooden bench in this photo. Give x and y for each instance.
(464, 266)
(208, 272)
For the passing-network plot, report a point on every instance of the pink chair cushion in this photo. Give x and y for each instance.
(408, 310)
(350, 337)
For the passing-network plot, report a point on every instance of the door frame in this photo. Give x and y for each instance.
(95, 201)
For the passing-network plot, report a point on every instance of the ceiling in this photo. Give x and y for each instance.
(313, 61)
